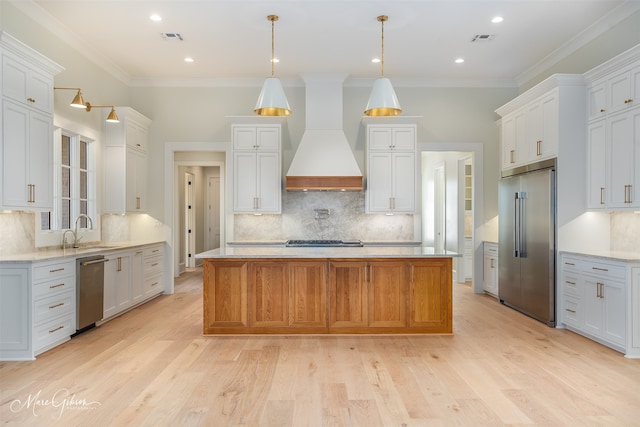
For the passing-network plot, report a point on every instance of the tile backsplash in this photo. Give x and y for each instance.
(304, 216)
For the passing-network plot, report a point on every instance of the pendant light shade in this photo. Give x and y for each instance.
(272, 100)
(78, 102)
(113, 117)
(383, 100)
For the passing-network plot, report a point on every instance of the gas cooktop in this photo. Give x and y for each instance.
(321, 243)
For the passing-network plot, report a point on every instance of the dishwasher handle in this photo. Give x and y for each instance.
(95, 261)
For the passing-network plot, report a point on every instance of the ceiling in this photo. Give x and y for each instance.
(231, 39)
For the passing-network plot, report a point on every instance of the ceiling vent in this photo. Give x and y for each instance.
(482, 38)
(172, 36)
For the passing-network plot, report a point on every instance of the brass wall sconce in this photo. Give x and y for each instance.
(78, 102)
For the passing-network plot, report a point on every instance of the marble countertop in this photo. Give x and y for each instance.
(58, 253)
(633, 257)
(275, 251)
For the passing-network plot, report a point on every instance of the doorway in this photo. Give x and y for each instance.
(447, 211)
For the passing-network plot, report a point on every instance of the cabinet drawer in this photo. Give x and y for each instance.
(490, 249)
(153, 265)
(53, 270)
(153, 250)
(571, 310)
(570, 283)
(57, 305)
(604, 270)
(52, 331)
(569, 263)
(153, 285)
(54, 287)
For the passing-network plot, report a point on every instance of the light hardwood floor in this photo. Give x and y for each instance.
(152, 366)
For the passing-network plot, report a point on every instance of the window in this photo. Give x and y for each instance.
(74, 182)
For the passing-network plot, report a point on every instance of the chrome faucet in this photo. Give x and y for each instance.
(76, 239)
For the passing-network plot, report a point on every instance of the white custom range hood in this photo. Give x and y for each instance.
(324, 160)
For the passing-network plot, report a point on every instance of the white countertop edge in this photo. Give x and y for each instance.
(632, 257)
(59, 254)
(326, 252)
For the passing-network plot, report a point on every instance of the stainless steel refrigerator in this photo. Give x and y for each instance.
(527, 240)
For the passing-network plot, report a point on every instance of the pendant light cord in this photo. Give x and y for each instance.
(382, 19)
(273, 19)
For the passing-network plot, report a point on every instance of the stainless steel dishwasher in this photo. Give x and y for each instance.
(89, 291)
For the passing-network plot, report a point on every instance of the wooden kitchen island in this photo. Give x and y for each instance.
(335, 290)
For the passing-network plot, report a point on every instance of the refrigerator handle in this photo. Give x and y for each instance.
(516, 228)
(522, 239)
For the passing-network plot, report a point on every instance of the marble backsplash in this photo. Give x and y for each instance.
(625, 231)
(324, 215)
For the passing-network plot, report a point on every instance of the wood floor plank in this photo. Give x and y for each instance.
(152, 366)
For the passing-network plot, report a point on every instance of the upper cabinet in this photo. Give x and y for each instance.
(391, 168)
(613, 138)
(257, 182)
(125, 162)
(536, 122)
(27, 126)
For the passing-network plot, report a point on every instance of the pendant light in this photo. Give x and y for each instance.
(383, 100)
(272, 101)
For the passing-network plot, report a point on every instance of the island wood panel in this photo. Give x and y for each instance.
(336, 296)
(269, 294)
(430, 294)
(224, 294)
(308, 294)
(348, 298)
(387, 282)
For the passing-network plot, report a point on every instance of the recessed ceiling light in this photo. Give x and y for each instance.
(459, 61)
(188, 59)
(497, 19)
(375, 60)
(156, 17)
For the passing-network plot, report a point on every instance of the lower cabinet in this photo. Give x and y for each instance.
(37, 307)
(132, 277)
(597, 301)
(327, 296)
(490, 271)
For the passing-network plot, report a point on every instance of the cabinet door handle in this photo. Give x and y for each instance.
(627, 193)
(119, 264)
(33, 101)
(599, 269)
(56, 286)
(137, 202)
(570, 282)
(569, 263)
(628, 101)
(512, 155)
(56, 270)
(570, 311)
(56, 305)
(539, 148)
(602, 195)
(492, 260)
(32, 193)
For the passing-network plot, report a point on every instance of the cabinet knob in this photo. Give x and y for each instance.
(602, 110)
(628, 101)
(33, 100)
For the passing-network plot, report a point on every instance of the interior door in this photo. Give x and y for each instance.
(189, 221)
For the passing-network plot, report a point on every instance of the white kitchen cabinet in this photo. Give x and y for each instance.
(256, 169)
(598, 301)
(117, 283)
(613, 175)
(153, 277)
(534, 124)
(37, 307)
(490, 276)
(27, 127)
(132, 277)
(125, 162)
(531, 133)
(391, 169)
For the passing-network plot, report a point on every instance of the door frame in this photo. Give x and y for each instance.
(171, 217)
(478, 206)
